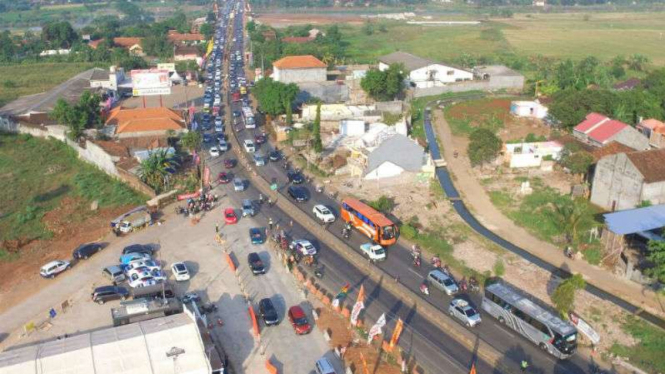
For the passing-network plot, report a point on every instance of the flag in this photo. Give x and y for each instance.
(376, 329)
(359, 306)
(343, 292)
(396, 333)
(473, 369)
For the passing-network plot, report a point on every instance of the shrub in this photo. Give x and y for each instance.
(499, 268)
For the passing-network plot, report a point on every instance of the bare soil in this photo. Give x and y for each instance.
(281, 20)
(72, 224)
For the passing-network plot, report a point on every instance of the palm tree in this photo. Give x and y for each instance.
(569, 215)
(191, 141)
(156, 170)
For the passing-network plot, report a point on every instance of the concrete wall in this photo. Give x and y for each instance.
(392, 107)
(654, 192)
(385, 170)
(616, 183)
(632, 138)
(328, 92)
(300, 75)
(512, 83)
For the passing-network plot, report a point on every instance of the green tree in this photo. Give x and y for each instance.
(638, 62)
(316, 130)
(484, 146)
(569, 215)
(59, 34)
(274, 97)
(156, 170)
(383, 204)
(384, 85)
(368, 28)
(84, 114)
(191, 141)
(575, 159)
(564, 295)
(657, 258)
(207, 30)
(571, 106)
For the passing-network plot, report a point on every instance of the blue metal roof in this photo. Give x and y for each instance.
(636, 220)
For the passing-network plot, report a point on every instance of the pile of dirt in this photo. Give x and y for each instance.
(342, 335)
(72, 224)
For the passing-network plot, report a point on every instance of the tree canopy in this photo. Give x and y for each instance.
(484, 146)
(384, 85)
(273, 96)
(657, 258)
(84, 114)
(59, 34)
(564, 295)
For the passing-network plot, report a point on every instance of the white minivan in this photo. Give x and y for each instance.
(249, 146)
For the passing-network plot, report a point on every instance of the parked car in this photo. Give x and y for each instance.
(249, 145)
(260, 138)
(223, 145)
(323, 366)
(324, 214)
(229, 163)
(114, 273)
(256, 235)
(461, 310)
(268, 312)
(214, 151)
(107, 293)
(238, 185)
(443, 282)
(138, 248)
(255, 263)
(131, 257)
(248, 208)
(230, 216)
(259, 160)
(54, 268)
(304, 247)
(147, 264)
(299, 320)
(297, 193)
(140, 279)
(86, 250)
(180, 271)
(224, 178)
(275, 156)
(295, 177)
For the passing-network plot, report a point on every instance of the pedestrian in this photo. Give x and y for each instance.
(277, 226)
(216, 228)
(523, 366)
(291, 223)
(270, 223)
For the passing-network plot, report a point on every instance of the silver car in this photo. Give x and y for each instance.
(238, 184)
(461, 310)
(443, 281)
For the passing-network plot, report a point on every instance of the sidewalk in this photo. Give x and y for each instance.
(479, 202)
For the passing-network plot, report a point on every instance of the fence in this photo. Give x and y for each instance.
(492, 84)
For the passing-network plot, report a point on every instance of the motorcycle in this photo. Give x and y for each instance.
(436, 262)
(568, 252)
(473, 285)
(318, 272)
(424, 288)
(463, 285)
(416, 261)
(346, 233)
(319, 189)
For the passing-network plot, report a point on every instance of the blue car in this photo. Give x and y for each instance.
(131, 257)
(256, 235)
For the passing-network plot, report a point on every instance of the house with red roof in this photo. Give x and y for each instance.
(142, 122)
(654, 130)
(598, 130)
(299, 69)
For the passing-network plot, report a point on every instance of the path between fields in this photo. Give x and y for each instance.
(479, 202)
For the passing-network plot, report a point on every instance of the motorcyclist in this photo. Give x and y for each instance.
(436, 261)
(424, 288)
(416, 261)
(261, 198)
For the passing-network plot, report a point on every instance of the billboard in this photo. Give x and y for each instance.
(167, 66)
(151, 91)
(150, 78)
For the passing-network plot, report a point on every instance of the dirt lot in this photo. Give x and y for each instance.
(280, 20)
(72, 224)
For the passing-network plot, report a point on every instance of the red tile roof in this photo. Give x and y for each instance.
(650, 164)
(652, 124)
(126, 42)
(175, 36)
(592, 119)
(610, 148)
(299, 62)
(144, 119)
(599, 127)
(182, 50)
(95, 43)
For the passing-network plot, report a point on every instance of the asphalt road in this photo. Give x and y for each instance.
(433, 348)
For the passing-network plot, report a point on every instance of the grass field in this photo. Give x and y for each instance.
(648, 353)
(28, 79)
(37, 174)
(575, 35)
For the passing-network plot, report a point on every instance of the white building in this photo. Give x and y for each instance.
(531, 109)
(109, 80)
(424, 73)
(397, 155)
(525, 155)
(299, 69)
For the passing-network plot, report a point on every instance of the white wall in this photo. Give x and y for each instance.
(299, 75)
(439, 73)
(385, 170)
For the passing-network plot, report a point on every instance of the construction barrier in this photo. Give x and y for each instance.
(270, 367)
(255, 322)
(232, 264)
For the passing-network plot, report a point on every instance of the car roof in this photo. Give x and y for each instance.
(108, 288)
(296, 311)
(55, 262)
(253, 256)
(439, 274)
(266, 301)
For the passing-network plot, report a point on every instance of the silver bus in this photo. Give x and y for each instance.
(513, 308)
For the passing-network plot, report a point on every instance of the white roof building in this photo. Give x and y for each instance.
(423, 72)
(166, 345)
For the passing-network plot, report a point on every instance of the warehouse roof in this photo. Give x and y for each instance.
(410, 62)
(145, 347)
(636, 220)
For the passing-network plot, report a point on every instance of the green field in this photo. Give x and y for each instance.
(28, 79)
(576, 35)
(37, 174)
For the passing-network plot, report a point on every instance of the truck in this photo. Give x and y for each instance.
(236, 96)
(134, 221)
(373, 251)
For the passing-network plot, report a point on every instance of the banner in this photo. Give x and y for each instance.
(396, 333)
(359, 306)
(206, 176)
(376, 329)
(193, 195)
(584, 327)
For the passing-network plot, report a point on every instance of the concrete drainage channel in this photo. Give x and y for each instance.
(484, 350)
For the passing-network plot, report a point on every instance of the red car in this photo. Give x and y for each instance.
(299, 320)
(260, 138)
(224, 178)
(230, 216)
(229, 163)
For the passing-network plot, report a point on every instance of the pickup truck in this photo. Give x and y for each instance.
(373, 251)
(134, 221)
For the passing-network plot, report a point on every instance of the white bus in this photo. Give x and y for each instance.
(248, 117)
(514, 309)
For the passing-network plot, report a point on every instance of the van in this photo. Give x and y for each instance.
(443, 282)
(153, 292)
(323, 366)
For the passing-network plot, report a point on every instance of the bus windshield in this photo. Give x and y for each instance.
(567, 343)
(388, 232)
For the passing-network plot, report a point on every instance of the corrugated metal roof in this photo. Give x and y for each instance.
(636, 220)
(399, 150)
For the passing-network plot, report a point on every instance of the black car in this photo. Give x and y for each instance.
(106, 293)
(295, 177)
(86, 250)
(255, 263)
(275, 156)
(138, 248)
(268, 312)
(299, 194)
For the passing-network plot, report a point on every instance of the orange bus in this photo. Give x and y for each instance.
(368, 221)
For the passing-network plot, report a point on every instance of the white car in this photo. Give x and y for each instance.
(219, 128)
(54, 268)
(461, 310)
(223, 145)
(304, 247)
(323, 213)
(214, 152)
(249, 145)
(140, 279)
(180, 272)
(238, 185)
(149, 264)
(374, 252)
